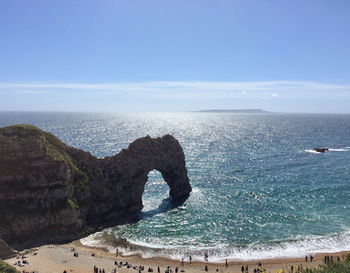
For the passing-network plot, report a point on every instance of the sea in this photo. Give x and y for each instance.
(259, 189)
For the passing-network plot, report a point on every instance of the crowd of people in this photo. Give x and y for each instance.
(22, 261)
(139, 268)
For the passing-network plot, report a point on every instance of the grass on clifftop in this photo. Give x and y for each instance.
(5, 268)
(30, 136)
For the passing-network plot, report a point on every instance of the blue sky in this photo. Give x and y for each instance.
(288, 56)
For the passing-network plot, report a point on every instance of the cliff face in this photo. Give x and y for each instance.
(50, 192)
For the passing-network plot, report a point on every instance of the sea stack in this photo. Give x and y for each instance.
(51, 192)
(320, 150)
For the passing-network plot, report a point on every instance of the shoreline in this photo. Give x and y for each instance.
(57, 258)
(277, 260)
(292, 249)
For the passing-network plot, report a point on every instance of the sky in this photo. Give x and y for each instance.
(175, 55)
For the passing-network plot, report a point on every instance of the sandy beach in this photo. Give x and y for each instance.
(57, 258)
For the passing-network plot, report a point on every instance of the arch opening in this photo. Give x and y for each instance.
(155, 191)
(156, 197)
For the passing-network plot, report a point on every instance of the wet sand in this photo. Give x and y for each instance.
(57, 258)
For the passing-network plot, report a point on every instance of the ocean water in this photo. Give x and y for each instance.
(259, 191)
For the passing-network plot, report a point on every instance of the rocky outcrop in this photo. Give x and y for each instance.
(50, 192)
(6, 251)
(320, 150)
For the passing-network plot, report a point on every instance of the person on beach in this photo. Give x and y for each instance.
(158, 269)
(182, 262)
(190, 259)
(311, 258)
(242, 269)
(206, 268)
(306, 258)
(226, 264)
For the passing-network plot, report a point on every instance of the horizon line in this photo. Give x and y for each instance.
(265, 112)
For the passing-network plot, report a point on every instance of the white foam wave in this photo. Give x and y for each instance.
(345, 149)
(196, 191)
(218, 253)
(338, 150)
(312, 152)
(94, 241)
(91, 240)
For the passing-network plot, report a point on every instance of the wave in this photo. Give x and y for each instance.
(312, 152)
(345, 149)
(256, 251)
(338, 150)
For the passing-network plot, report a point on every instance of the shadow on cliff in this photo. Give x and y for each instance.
(167, 205)
(52, 193)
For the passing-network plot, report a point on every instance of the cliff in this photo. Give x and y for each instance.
(50, 192)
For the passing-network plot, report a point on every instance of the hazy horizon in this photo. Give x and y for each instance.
(202, 111)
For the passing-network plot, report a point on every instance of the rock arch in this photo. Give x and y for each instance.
(50, 192)
(144, 155)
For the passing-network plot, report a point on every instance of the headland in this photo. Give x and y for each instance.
(51, 192)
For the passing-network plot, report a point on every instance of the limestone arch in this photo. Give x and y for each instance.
(163, 154)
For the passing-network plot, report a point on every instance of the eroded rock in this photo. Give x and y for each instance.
(50, 192)
(320, 150)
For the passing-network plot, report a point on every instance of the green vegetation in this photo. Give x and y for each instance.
(80, 181)
(25, 131)
(30, 136)
(56, 149)
(332, 267)
(71, 204)
(47, 147)
(98, 172)
(5, 268)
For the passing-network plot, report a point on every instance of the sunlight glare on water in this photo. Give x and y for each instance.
(258, 191)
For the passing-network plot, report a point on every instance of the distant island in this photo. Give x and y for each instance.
(255, 111)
